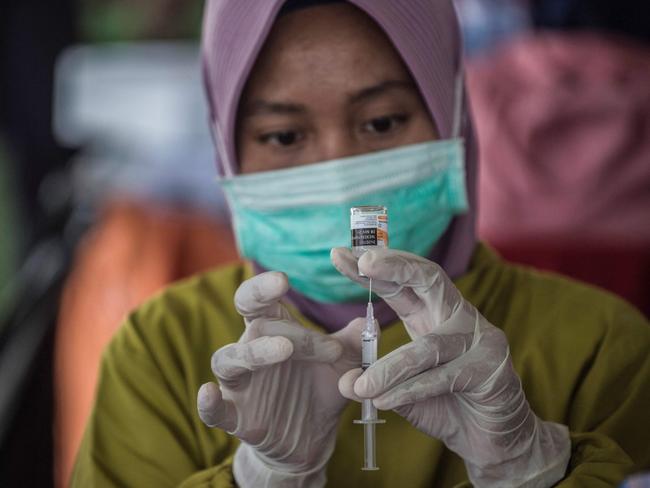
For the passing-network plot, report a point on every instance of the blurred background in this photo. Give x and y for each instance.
(108, 193)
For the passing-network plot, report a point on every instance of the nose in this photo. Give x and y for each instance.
(336, 143)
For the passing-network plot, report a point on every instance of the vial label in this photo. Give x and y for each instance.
(369, 230)
(364, 237)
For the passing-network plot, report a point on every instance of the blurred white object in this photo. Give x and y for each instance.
(139, 114)
(487, 23)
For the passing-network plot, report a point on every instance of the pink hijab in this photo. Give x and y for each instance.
(424, 32)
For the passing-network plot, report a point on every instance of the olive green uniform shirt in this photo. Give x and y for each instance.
(582, 356)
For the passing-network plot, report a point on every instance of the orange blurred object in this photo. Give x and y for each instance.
(132, 252)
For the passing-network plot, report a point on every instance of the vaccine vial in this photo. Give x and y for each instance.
(369, 228)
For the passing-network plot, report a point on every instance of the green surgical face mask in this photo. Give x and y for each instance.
(289, 220)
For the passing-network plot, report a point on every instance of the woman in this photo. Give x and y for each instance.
(511, 378)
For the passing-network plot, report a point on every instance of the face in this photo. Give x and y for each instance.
(327, 84)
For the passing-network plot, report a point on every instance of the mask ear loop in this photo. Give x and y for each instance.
(458, 105)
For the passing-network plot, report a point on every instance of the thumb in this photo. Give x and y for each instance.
(214, 410)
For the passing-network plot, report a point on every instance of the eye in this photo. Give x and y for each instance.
(383, 125)
(281, 138)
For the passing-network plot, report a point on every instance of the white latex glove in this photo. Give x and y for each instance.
(455, 381)
(278, 390)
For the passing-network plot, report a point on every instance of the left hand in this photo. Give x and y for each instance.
(278, 390)
(455, 381)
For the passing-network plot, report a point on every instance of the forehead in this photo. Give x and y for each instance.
(327, 46)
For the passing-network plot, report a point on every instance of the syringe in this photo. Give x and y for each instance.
(368, 410)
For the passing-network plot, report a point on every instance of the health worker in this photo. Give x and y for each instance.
(489, 373)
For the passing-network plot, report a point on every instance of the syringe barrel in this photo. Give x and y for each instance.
(368, 410)
(368, 350)
(368, 357)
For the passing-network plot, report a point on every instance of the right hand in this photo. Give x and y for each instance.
(278, 388)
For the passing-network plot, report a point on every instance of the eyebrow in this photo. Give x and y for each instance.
(264, 107)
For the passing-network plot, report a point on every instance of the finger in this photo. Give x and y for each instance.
(234, 360)
(345, 262)
(442, 380)
(410, 360)
(406, 269)
(260, 296)
(308, 345)
(346, 384)
(401, 299)
(426, 297)
(214, 411)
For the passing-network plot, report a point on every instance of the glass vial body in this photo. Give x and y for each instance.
(369, 228)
